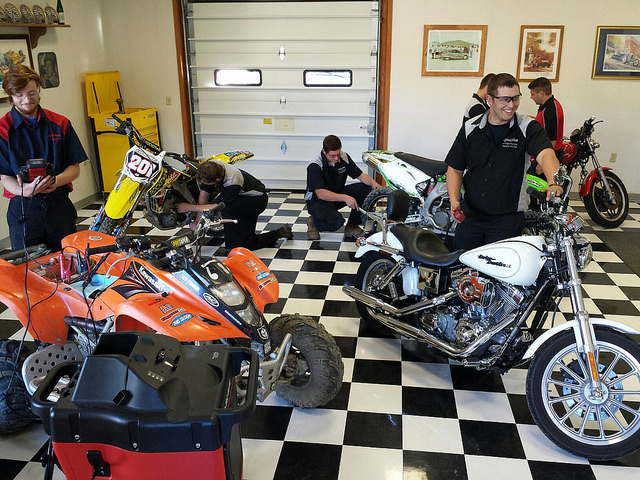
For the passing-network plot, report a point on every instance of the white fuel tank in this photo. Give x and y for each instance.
(517, 260)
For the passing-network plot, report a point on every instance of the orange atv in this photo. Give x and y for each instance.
(99, 284)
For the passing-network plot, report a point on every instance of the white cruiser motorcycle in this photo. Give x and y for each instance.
(487, 308)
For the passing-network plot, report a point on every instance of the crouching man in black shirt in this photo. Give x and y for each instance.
(327, 191)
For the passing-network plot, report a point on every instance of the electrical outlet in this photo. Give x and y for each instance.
(168, 100)
(613, 158)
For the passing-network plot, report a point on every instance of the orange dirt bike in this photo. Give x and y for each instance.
(155, 178)
(98, 283)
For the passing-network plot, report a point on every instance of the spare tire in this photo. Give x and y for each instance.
(15, 409)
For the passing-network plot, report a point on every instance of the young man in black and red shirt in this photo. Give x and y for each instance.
(550, 114)
(40, 211)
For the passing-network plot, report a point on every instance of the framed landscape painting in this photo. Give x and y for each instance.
(539, 52)
(617, 53)
(15, 49)
(454, 50)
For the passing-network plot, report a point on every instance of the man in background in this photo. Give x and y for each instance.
(550, 114)
(327, 191)
(245, 198)
(478, 103)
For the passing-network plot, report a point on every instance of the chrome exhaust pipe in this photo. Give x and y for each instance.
(386, 314)
(451, 349)
(379, 305)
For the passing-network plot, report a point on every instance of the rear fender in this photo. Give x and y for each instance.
(251, 272)
(586, 186)
(48, 305)
(375, 243)
(574, 324)
(123, 198)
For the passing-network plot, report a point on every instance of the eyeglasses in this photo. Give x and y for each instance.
(506, 100)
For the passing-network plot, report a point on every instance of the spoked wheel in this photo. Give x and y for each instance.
(567, 410)
(601, 210)
(373, 269)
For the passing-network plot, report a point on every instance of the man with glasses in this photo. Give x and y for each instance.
(40, 210)
(489, 158)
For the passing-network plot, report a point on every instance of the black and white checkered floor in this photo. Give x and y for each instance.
(403, 412)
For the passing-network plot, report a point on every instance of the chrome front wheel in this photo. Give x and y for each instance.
(596, 425)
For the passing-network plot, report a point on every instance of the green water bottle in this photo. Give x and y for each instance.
(60, 13)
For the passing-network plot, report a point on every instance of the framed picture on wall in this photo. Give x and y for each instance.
(15, 49)
(539, 52)
(454, 50)
(48, 69)
(617, 53)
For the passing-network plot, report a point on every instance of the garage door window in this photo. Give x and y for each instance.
(237, 77)
(327, 78)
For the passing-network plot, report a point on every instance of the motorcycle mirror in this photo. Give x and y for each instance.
(561, 174)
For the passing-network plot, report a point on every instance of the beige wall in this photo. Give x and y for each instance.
(426, 112)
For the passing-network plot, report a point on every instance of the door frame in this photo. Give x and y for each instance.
(384, 73)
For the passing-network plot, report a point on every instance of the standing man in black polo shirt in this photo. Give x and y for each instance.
(489, 159)
(327, 191)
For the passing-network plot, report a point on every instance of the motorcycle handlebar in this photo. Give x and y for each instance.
(104, 249)
(125, 242)
(215, 210)
(125, 127)
(542, 196)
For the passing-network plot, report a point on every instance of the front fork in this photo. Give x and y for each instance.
(611, 198)
(585, 335)
(599, 171)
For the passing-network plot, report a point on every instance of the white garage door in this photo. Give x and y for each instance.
(312, 72)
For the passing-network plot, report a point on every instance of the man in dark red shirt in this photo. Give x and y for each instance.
(550, 114)
(40, 211)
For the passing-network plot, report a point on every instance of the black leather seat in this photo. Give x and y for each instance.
(425, 247)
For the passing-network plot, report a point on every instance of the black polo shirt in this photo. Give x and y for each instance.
(322, 174)
(495, 179)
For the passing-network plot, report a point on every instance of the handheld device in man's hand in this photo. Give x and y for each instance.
(35, 168)
(458, 215)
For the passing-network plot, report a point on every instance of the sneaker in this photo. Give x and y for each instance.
(312, 231)
(285, 232)
(353, 231)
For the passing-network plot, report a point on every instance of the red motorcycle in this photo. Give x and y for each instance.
(603, 193)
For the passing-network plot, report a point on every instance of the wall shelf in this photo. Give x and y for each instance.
(36, 30)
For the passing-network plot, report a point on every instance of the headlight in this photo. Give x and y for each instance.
(229, 293)
(583, 252)
(577, 223)
(249, 315)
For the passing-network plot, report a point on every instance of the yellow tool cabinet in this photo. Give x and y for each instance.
(103, 99)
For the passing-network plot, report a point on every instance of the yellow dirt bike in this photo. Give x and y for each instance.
(156, 178)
